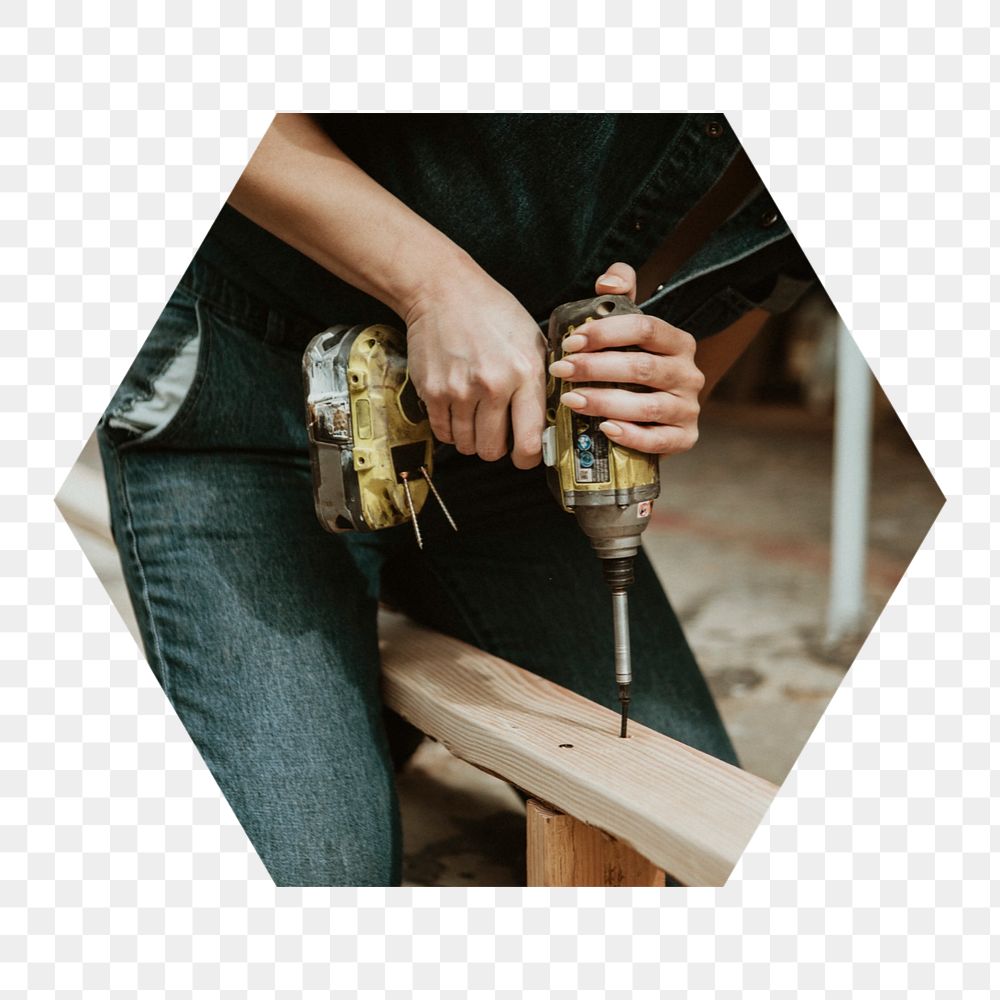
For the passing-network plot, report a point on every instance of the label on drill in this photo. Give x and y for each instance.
(590, 451)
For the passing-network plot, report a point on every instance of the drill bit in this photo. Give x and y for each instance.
(624, 697)
(623, 654)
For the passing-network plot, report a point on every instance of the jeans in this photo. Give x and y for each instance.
(261, 627)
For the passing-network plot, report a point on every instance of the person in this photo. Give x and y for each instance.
(464, 230)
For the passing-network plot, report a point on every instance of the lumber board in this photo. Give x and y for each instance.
(685, 811)
(564, 851)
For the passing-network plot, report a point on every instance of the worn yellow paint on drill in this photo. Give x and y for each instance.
(377, 377)
(628, 469)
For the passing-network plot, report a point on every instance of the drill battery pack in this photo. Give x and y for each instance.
(370, 442)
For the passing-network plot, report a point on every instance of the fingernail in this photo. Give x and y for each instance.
(572, 399)
(612, 430)
(611, 281)
(574, 342)
(561, 369)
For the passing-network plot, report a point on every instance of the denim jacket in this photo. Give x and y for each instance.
(544, 203)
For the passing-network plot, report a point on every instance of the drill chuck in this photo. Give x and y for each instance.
(619, 573)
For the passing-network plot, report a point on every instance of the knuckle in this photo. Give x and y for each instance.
(489, 385)
(458, 391)
(669, 442)
(643, 367)
(524, 368)
(647, 330)
(688, 410)
(650, 409)
(433, 393)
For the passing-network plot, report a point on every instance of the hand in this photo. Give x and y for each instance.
(477, 360)
(476, 356)
(661, 422)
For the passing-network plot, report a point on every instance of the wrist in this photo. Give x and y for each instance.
(441, 272)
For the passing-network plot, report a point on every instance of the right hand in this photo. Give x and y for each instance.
(477, 360)
(476, 356)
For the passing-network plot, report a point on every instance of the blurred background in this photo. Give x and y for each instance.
(743, 538)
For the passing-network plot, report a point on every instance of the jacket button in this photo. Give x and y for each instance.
(768, 219)
(714, 129)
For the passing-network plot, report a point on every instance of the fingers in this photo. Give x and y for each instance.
(527, 413)
(491, 425)
(663, 422)
(439, 415)
(640, 407)
(648, 332)
(656, 440)
(480, 424)
(632, 368)
(463, 426)
(619, 279)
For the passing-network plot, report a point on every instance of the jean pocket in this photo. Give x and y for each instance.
(160, 388)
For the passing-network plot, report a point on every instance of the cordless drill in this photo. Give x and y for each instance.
(608, 487)
(371, 451)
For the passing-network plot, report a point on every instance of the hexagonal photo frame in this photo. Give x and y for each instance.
(779, 537)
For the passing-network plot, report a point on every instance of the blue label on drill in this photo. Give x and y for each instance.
(590, 454)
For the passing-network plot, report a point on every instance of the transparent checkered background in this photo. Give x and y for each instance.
(121, 869)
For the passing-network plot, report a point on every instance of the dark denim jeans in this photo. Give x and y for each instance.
(261, 627)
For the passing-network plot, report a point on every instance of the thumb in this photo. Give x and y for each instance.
(619, 279)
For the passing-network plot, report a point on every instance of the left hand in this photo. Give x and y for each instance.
(661, 422)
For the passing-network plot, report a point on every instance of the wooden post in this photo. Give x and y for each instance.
(564, 851)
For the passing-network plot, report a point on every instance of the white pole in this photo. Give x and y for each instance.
(851, 461)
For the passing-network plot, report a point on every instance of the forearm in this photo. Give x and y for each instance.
(303, 189)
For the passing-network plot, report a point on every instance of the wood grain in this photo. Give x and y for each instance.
(685, 811)
(563, 851)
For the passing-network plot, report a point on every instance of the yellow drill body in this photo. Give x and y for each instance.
(371, 450)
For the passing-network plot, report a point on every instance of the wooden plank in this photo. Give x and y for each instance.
(563, 851)
(685, 811)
